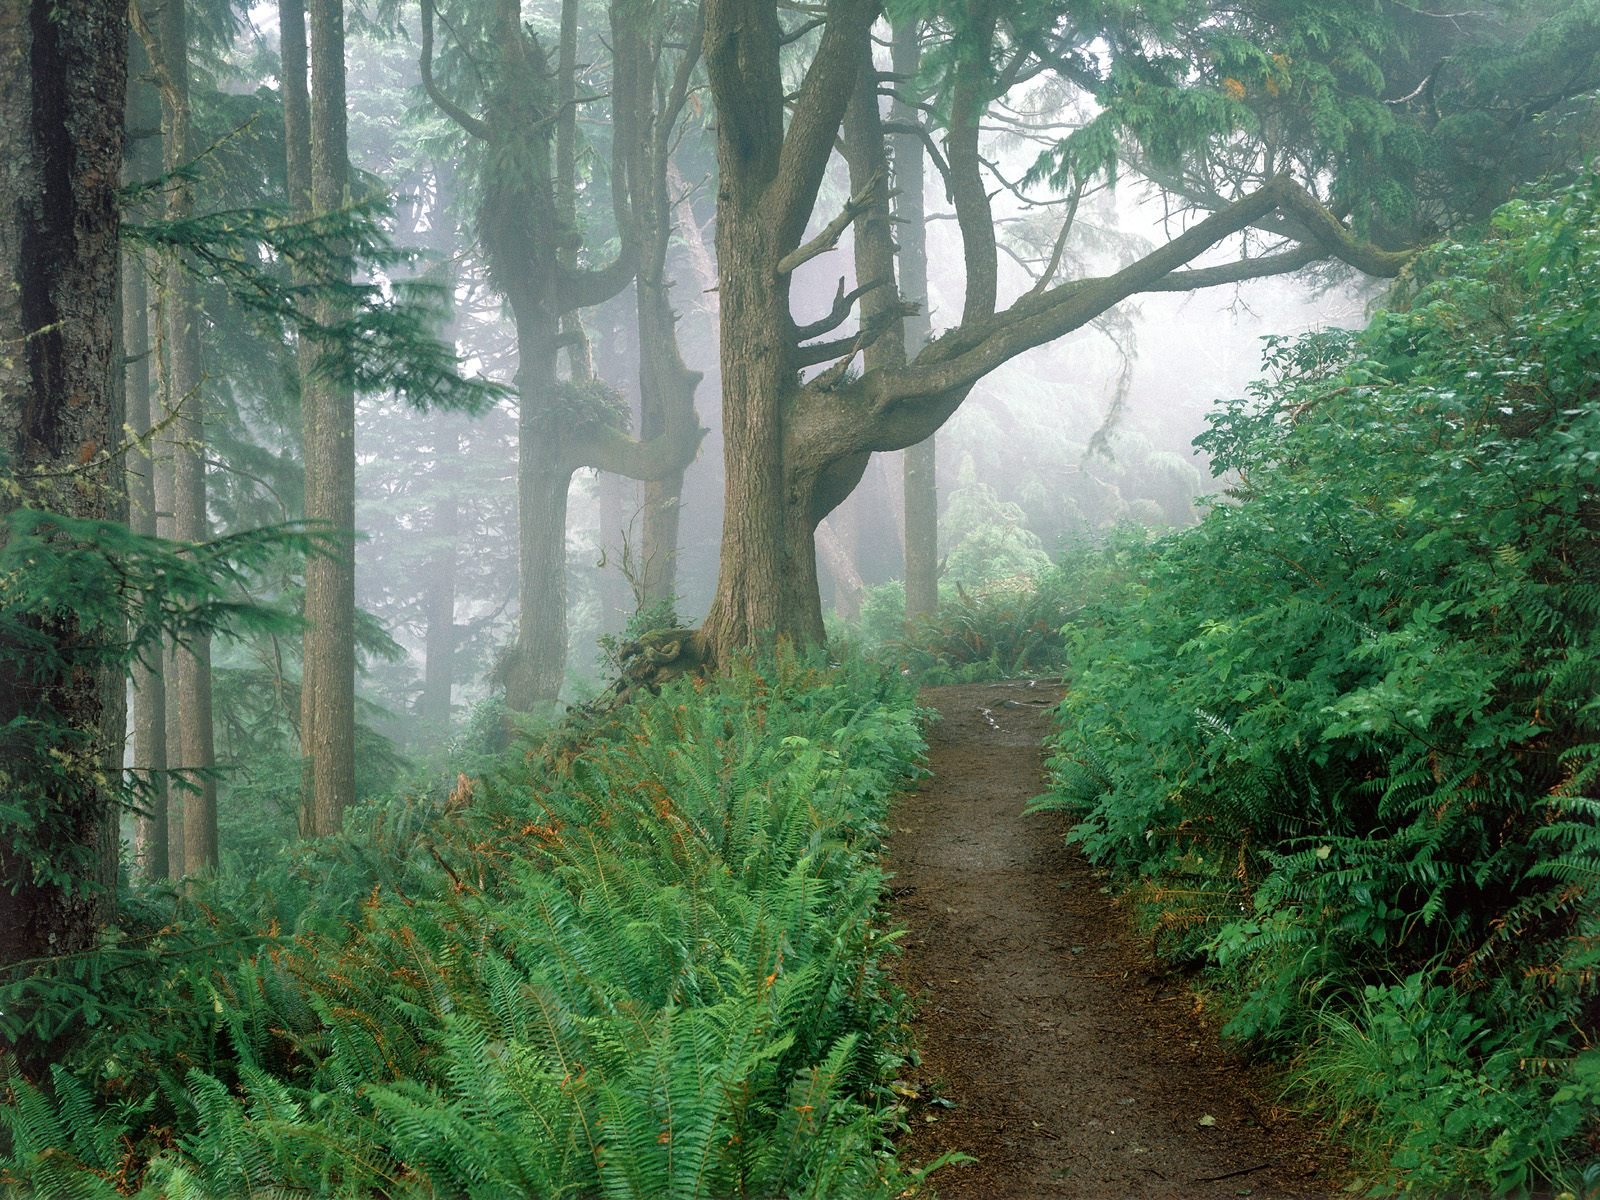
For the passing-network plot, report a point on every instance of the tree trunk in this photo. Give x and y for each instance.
(768, 176)
(62, 74)
(536, 664)
(767, 584)
(439, 611)
(666, 390)
(185, 397)
(919, 464)
(327, 718)
(143, 163)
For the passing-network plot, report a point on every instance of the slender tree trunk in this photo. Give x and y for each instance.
(143, 163)
(294, 57)
(328, 413)
(62, 74)
(667, 390)
(185, 399)
(439, 610)
(919, 462)
(149, 685)
(848, 587)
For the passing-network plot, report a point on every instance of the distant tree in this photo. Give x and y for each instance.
(183, 405)
(62, 75)
(142, 165)
(920, 465)
(1274, 124)
(526, 227)
(327, 405)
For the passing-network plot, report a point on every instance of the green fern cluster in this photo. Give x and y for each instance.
(652, 970)
(1347, 729)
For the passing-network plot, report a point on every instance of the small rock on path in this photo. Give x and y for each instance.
(1074, 1066)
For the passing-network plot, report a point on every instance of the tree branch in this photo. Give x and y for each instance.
(843, 303)
(449, 107)
(975, 348)
(819, 109)
(831, 232)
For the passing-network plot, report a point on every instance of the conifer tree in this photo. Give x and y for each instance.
(62, 78)
(327, 712)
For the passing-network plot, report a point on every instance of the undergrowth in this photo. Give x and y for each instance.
(1006, 629)
(1343, 737)
(651, 968)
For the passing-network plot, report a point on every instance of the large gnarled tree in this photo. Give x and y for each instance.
(1271, 127)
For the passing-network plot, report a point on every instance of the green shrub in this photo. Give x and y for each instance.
(651, 969)
(1346, 730)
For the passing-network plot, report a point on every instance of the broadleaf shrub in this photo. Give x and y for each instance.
(1344, 735)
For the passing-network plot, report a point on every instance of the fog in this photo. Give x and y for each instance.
(1065, 442)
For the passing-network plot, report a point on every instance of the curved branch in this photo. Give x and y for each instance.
(449, 107)
(843, 302)
(647, 461)
(585, 289)
(973, 349)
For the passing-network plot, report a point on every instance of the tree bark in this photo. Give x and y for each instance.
(920, 462)
(327, 709)
(62, 77)
(767, 182)
(185, 400)
(536, 664)
(666, 385)
(142, 164)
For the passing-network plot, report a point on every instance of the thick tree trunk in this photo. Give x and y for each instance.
(185, 397)
(62, 65)
(767, 585)
(328, 412)
(768, 175)
(536, 664)
(143, 163)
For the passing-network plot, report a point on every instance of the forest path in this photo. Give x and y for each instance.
(1075, 1068)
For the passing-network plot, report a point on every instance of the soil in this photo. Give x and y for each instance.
(1054, 1049)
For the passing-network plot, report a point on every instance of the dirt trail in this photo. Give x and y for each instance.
(1074, 1067)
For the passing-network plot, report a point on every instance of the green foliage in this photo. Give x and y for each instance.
(649, 968)
(1409, 120)
(83, 596)
(988, 538)
(387, 342)
(1345, 730)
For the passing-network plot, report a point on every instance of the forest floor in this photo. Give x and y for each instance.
(1073, 1066)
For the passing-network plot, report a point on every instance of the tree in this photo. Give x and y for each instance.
(525, 224)
(62, 75)
(142, 165)
(327, 401)
(183, 404)
(920, 465)
(1295, 151)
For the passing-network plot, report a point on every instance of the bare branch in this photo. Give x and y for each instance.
(829, 237)
(976, 347)
(1239, 272)
(843, 303)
